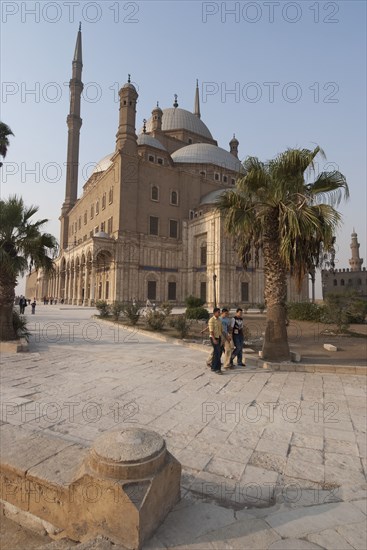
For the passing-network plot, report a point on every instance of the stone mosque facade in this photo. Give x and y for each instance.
(146, 225)
(353, 277)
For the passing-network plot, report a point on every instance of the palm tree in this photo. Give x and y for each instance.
(275, 209)
(5, 131)
(22, 246)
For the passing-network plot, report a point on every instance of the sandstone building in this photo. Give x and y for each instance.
(146, 225)
(352, 278)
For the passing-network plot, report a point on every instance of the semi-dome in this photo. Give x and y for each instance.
(102, 235)
(213, 196)
(175, 118)
(146, 139)
(103, 164)
(205, 153)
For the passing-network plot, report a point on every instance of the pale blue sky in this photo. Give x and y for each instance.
(319, 58)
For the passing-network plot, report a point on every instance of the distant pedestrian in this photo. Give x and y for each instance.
(22, 304)
(238, 337)
(215, 333)
(33, 305)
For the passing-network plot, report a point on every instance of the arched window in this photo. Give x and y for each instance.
(154, 193)
(174, 198)
(359, 282)
(335, 282)
(342, 283)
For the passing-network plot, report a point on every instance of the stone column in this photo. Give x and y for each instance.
(86, 282)
(75, 287)
(80, 286)
(92, 285)
(66, 287)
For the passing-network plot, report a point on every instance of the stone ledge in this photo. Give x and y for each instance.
(305, 367)
(71, 497)
(14, 346)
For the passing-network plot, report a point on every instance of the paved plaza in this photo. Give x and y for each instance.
(271, 460)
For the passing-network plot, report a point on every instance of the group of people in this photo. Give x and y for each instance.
(226, 336)
(23, 302)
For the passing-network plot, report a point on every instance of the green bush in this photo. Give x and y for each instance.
(305, 311)
(197, 313)
(116, 310)
(344, 308)
(192, 302)
(103, 308)
(155, 320)
(132, 312)
(182, 324)
(20, 326)
(261, 307)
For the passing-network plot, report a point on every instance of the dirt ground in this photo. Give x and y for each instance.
(306, 338)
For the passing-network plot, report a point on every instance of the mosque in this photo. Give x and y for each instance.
(145, 225)
(350, 278)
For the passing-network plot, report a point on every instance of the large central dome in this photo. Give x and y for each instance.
(174, 118)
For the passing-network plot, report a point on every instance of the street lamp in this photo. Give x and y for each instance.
(215, 289)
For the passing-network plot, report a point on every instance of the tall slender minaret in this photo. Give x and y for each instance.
(74, 123)
(355, 262)
(126, 139)
(197, 100)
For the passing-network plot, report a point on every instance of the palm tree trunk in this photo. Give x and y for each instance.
(275, 346)
(7, 295)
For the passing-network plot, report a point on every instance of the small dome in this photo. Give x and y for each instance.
(146, 139)
(157, 109)
(177, 119)
(234, 140)
(103, 164)
(205, 153)
(129, 86)
(102, 235)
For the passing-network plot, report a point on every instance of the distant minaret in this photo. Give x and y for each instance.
(355, 262)
(197, 100)
(233, 144)
(74, 123)
(157, 114)
(126, 138)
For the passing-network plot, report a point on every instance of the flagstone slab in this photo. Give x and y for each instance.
(355, 534)
(294, 544)
(300, 522)
(330, 539)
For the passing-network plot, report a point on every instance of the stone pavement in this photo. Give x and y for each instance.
(271, 460)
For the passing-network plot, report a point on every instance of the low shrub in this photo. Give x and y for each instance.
(182, 324)
(103, 308)
(132, 312)
(116, 310)
(305, 311)
(20, 326)
(155, 320)
(192, 302)
(197, 313)
(166, 308)
(344, 308)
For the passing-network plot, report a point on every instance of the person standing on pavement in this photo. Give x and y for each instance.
(238, 337)
(227, 343)
(215, 333)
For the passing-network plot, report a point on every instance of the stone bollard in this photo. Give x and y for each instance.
(121, 488)
(138, 483)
